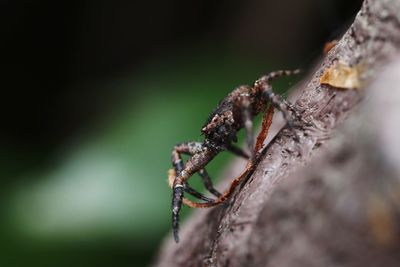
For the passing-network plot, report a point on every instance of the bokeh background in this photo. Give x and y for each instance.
(96, 93)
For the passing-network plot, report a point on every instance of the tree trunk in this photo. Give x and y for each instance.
(333, 199)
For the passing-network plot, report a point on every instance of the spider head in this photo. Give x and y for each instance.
(220, 130)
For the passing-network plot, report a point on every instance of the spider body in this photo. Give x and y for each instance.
(233, 113)
(227, 119)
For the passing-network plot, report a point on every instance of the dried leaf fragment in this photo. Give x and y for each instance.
(329, 45)
(342, 76)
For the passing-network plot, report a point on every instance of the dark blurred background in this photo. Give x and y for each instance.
(96, 93)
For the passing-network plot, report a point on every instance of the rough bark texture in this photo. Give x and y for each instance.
(334, 198)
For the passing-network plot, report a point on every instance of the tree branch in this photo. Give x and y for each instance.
(309, 203)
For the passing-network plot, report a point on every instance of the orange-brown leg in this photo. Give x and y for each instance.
(266, 124)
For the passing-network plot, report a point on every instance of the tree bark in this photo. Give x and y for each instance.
(333, 199)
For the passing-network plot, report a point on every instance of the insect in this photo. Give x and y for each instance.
(233, 113)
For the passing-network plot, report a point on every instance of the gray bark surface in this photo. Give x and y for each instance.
(333, 199)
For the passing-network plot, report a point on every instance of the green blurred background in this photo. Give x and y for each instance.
(96, 93)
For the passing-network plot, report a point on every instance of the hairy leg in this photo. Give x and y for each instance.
(196, 194)
(288, 110)
(248, 125)
(266, 124)
(191, 148)
(237, 151)
(208, 183)
(200, 157)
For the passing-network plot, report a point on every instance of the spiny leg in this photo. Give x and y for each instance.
(237, 151)
(244, 102)
(208, 183)
(281, 73)
(266, 124)
(277, 74)
(226, 195)
(278, 102)
(177, 186)
(287, 109)
(196, 194)
(200, 157)
(177, 197)
(171, 178)
(176, 158)
(191, 148)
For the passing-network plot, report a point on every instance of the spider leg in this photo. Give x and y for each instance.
(237, 151)
(200, 157)
(280, 104)
(196, 194)
(226, 195)
(266, 124)
(208, 183)
(177, 186)
(244, 102)
(277, 74)
(287, 109)
(192, 148)
(281, 73)
(176, 207)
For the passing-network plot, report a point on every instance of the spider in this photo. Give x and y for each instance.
(233, 113)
